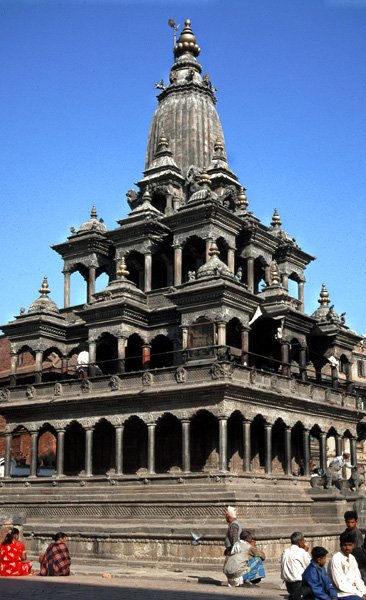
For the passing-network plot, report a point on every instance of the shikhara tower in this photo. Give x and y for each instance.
(208, 384)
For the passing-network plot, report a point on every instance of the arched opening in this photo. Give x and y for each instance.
(104, 448)
(201, 338)
(135, 446)
(235, 453)
(331, 444)
(133, 361)
(26, 366)
(259, 274)
(233, 337)
(101, 281)
(135, 262)
(52, 365)
(106, 355)
(20, 453)
(314, 447)
(193, 256)
(78, 286)
(278, 447)
(297, 449)
(159, 201)
(204, 442)
(265, 350)
(257, 444)
(168, 444)
(162, 266)
(74, 449)
(223, 249)
(46, 451)
(162, 354)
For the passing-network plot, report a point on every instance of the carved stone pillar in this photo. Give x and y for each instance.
(267, 276)
(353, 451)
(8, 441)
(349, 377)
(285, 358)
(208, 247)
(284, 281)
(302, 364)
(338, 445)
(301, 294)
(334, 376)
(177, 265)
(92, 357)
(146, 356)
(91, 283)
(151, 447)
(60, 452)
(89, 451)
(306, 452)
(186, 450)
(288, 470)
(121, 349)
(250, 274)
(34, 454)
(221, 334)
(223, 443)
(184, 338)
(244, 359)
(14, 363)
(231, 259)
(38, 366)
(67, 275)
(268, 447)
(323, 449)
(246, 446)
(64, 366)
(119, 449)
(148, 271)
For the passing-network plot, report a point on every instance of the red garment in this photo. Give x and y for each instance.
(11, 564)
(56, 560)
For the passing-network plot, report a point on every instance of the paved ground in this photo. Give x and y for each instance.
(137, 586)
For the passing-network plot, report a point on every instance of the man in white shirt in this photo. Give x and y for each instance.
(294, 561)
(344, 572)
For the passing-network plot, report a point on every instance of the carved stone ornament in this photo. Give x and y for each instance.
(274, 382)
(58, 389)
(147, 378)
(221, 370)
(31, 392)
(253, 376)
(180, 375)
(293, 385)
(4, 395)
(115, 383)
(85, 386)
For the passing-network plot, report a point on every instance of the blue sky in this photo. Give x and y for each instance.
(77, 97)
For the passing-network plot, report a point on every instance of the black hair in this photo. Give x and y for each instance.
(318, 552)
(8, 538)
(350, 514)
(58, 536)
(346, 538)
(245, 534)
(15, 531)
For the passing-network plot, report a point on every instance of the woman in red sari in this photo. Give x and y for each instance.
(11, 556)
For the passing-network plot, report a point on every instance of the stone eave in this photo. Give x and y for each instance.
(195, 217)
(83, 243)
(186, 89)
(140, 229)
(257, 235)
(293, 254)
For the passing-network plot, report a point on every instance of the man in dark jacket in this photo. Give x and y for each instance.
(317, 580)
(360, 556)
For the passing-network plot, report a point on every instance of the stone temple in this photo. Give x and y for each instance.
(207, 382)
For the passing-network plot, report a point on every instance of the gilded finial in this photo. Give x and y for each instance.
(219, 144)
(204, 179)
(44, 288)
(242, 198)
(324, 296)
(276, 221)
(122, 270)
(93, 213)
(213, 251)
(187, 43)
(163, 142)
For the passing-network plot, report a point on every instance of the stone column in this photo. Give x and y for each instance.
(267, 276)
(302, 364)
(338, 445)
(92, 357)
(353, 451)
(284, 281)
(184, 338)
(38, 366)
(268, 447)
(146, 356)
(119, 449)
(64, 367)
(231, 259)
(244, 359)
(148, 271)
(60, 452)
(221, 334)
(186, 450)
(8, 440)
(89, 451)
(208, 246)
(323, 449)
(250, 274)
(14, 363)
(67, 275)
(285, 358)
(34, 453)
(223, 443)
(288, 470)
(177, 265)
(91, 283)
(301, 294)
(121, 349)
(334, 375)
(306, 451)
(246, 446)
(349, 377)
(151, 447)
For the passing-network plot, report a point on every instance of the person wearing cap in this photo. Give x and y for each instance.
(344, 572)
(233, 531)
(316, 578)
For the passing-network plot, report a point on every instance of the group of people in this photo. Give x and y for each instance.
(305, 574)
(54, 561)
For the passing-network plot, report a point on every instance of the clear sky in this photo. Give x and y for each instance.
(77, 97)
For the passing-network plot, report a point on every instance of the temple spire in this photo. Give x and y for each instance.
(187, 43)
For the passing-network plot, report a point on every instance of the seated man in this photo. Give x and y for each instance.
(360, 556)
(245, 564)
(316, 578)
(294, 561)
(344, 572)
